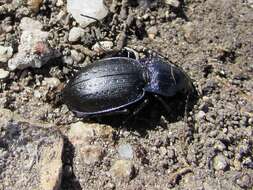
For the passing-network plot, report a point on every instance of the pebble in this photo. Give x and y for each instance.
(245, 181)
(94, 8)
(200, 115)
(80, 132)
(5, 53)
(125, 151)
(76, 56)
(102, 46)
(33, 51)
(75, 34)
(59, 3)
(173, 3)
(90, 154)
(29, 24)
(34, 5)
(152, 32)
(123, 170)
(188, 29)
(51, 82)
(219, 146)
(220, 162)
(3, 74)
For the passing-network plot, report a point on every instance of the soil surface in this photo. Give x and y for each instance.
(208, 147)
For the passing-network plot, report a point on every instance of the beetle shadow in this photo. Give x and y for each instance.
(69, 181)
(150, 116)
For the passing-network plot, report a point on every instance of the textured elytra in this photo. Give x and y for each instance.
(107, 84)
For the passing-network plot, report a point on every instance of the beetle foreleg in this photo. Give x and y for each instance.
(136, 111)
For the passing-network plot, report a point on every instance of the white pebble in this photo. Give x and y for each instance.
(91, 8)
(29, 24)
(5, 53)
(173, 3)
(3, 74)
(75, 34)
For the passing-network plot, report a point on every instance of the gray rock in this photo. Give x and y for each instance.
(5, 53)
(31, 155)
(3, 74)
(125, 151)
(220, 162)
(75, 34)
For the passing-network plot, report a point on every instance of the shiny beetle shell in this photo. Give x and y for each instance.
(115, 83)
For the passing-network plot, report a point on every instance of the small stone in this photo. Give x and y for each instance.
(188, 29)
(102, 46)
(200, 115)
(78, 57)
(51, 82)
(125, 151)
(68, 60)
(80, 132)
(173, 3)
(5, 53)
(37, 94)
(94, 9)
(250, 3)
(163, 151)
(152, 32)
(29, 24)
(59, 3)
(220, 146)
(33, 51)
(75, 34)
(123, 170)
(90, 154)
(220, 162)
(3, 74)
(34, 5)
(245, 181)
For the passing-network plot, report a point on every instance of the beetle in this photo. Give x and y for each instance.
(113, 85)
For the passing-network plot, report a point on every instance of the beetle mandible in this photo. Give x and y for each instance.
(111, 85)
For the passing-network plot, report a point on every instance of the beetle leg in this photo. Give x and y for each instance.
(165, 105)
(136, 111)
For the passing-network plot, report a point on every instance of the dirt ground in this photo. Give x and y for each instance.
(210, 148)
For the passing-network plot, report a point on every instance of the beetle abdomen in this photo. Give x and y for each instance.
(105, 85)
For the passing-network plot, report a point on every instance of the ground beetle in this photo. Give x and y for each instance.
(112, 85)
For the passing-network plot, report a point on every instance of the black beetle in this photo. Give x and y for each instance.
(112, 85)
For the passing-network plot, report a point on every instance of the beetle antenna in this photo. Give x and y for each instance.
(101, 24)
(90, 17)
